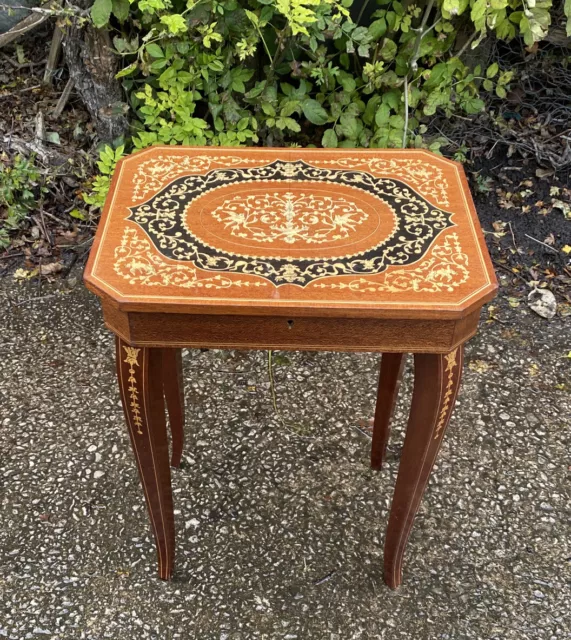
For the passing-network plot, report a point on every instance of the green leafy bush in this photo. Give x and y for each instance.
(275, 72)
(108, 159)
(18, 190)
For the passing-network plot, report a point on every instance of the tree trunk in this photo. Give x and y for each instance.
(92, 67)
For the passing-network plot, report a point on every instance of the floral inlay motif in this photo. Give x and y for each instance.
(444, 269)
(417, 224)
(425, 178)
(291, 218)
(450, 365)
(153, 174)
(137, 262)
(132, 359)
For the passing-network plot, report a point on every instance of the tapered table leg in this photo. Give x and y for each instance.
(389, 383)
(173, 388)
(139, 372)
(436, 383)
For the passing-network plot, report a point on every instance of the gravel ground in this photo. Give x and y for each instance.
(280, 523)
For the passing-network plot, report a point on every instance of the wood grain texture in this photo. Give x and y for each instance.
(173, 389)
(139, 372)
(389, 383)
(436, 384)
(274, 231)
(304, 333)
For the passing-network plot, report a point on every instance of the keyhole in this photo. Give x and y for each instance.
(289, 324)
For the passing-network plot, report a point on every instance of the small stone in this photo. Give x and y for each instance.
(543, 302)
(98, 474)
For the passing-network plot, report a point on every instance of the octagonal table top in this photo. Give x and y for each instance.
(343, 232)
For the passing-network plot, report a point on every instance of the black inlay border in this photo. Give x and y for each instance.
(418, 224)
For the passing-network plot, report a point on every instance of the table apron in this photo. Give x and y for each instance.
(295, 333)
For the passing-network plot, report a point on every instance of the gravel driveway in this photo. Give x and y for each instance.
(280, 521)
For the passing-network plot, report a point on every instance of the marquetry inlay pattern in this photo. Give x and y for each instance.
(293, 218)
(376, 230)
(451, 363)
(271, 216)
(132, 359)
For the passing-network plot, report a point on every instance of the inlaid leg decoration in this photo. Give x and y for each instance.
(389, 383)
(140, 381)
(436, 382)
(173, 388)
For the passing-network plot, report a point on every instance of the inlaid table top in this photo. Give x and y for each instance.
(374, 233)
(314, 249)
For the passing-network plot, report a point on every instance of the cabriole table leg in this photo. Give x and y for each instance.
(436, 383)
(173, 388)
(139, 371)
(389, 383)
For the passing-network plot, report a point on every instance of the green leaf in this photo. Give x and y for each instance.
(473, 105)
(287, 107)
(378, 28)
(291, 124)
(455, 7)
(492, 70)
(347, 81)
(433, 101)
(76, 213)
(350, 126)
(238, 77)
(371, 109)
(393, 99)
(127, 70)
(252, 16)
(329, 139)
(363, 50)
(314, 112)
(120, 9)
(478, 12)
(438, 74)
(120, 44)
(266, 14)
(154, 50)
(101, 12)
(360, 34)
(388, 50)
(567, 10)
(382, 115)
(268, 109)
(175, 23)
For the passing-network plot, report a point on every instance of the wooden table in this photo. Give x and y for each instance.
(337, 250)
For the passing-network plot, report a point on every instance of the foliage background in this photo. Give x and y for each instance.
(439, 74)
(307, 72)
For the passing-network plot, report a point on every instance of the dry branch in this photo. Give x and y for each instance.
(27, 24)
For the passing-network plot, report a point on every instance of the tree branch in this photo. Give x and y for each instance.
(413, 66)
